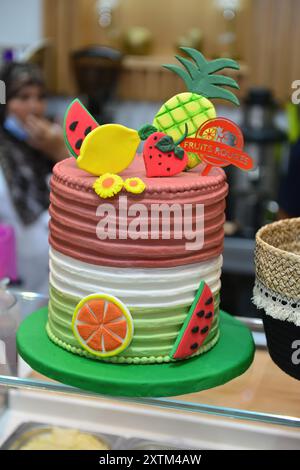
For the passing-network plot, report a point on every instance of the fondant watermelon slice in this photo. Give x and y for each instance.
(197, 324)
(78, 123)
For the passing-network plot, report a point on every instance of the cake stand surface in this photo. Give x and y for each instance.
(229, 358)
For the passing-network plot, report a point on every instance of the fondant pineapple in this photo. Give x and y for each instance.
(193, 107)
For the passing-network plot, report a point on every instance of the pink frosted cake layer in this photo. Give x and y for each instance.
(74, 219)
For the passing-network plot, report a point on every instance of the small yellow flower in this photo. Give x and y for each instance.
(134, 185)
(108, 185)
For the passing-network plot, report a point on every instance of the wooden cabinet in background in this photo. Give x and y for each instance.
(143, 78)
(268, 35)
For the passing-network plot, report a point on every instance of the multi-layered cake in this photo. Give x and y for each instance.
(136, 241)
(157, 279)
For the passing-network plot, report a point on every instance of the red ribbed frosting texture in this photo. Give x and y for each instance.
(74, 217)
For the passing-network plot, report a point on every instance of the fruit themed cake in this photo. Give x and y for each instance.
(136, 240)
(156, 279)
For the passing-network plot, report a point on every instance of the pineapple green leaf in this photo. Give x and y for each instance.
(219, 64)
(190, 66)
(223, 80)
(213, 91)
(196, 56)
(198, 75)
(182, 74)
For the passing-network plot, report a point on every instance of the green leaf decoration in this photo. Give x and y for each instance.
(179, 152)
(191, 68)
(182, 74)
(146, 130)
(165, 144)
(213, 91)
(222, 80)
(197, 56)
(199, 76)
(220, 64)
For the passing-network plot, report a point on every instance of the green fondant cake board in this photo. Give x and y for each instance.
(231, 356)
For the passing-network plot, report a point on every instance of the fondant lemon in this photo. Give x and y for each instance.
(108, 149)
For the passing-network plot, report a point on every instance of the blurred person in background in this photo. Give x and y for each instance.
(29, 147)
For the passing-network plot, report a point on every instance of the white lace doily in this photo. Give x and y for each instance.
(276, 305)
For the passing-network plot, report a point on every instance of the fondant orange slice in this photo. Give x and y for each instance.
(102, 325)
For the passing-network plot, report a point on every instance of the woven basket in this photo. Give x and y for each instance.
(277, 291)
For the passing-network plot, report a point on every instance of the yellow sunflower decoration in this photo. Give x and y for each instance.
(134, 185)
(108, 185)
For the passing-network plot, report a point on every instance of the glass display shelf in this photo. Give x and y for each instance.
(263, 394)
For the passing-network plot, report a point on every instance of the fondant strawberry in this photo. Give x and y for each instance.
(163, 156)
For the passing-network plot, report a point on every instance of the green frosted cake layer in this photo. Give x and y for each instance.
(155, 330)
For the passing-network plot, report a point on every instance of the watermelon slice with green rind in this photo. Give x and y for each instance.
(78, 123)
(197, 324)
